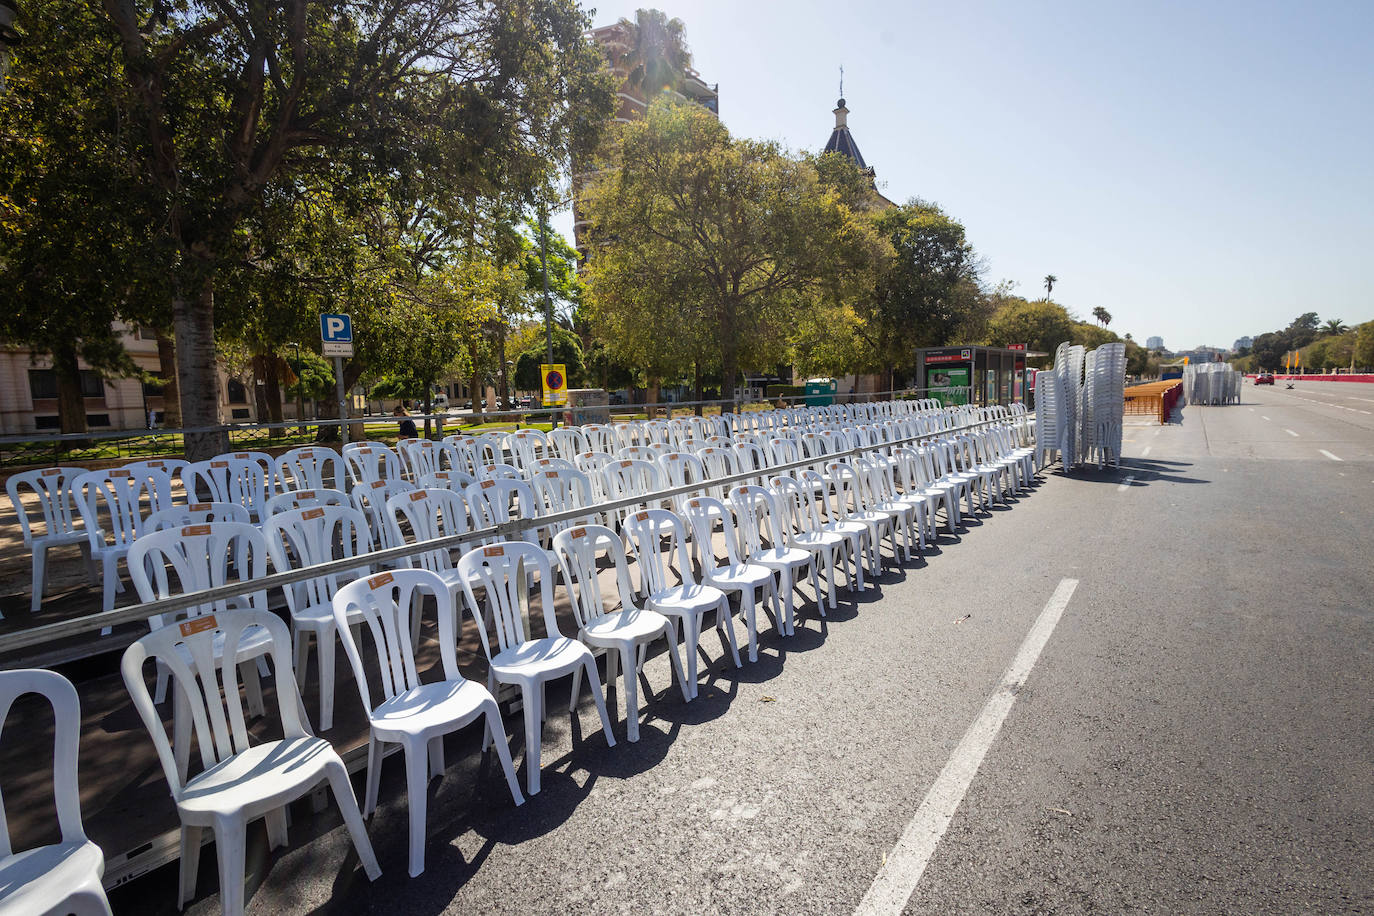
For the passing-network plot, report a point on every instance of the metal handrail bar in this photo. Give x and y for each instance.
(49, 632)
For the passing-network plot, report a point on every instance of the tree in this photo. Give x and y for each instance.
(704, 247)
(651, 52)
(567, 349)
(1363, 353)
(924, 292)
(1334, 326)
(237, 101)
(1102, 316)
(1040, 325)
(1050, 280)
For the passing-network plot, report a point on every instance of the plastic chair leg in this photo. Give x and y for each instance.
(374, 776)
(324, 646)
(229, 849)
(595, 686)
(276, 828)
(750, 607)
(190, 864)
(532, 694)
(417, 791)
(436, 756)
(40, 576)
(725, 621)
(631, 693)
(353, 819)
(691, 637)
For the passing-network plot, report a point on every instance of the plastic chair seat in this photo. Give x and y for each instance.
(618, 627)
(782, 556)
(740, 576)
(819, 540)
(538, 658)
(254, 781)
(686, 599)
(31, 880)
(435, 706)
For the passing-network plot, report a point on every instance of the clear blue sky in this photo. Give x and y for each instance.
(1202, 170)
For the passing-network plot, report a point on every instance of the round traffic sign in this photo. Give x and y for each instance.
(554, 380)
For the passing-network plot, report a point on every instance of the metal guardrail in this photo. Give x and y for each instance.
(35, 636)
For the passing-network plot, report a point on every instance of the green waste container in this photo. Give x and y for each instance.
(820, 392)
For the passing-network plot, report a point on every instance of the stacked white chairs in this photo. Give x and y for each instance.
(502, 572)
(240, 781)
(51, 488)
(1104, 393)
(310, 468)
(62, 877)
(658, 539)
(305, 499)
(409, 712)
(625, 630)
(298, 538)
(113, 505)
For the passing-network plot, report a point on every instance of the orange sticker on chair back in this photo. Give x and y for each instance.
(307, 453)
(219, 464)
(200, 507)
(195, 531)
(242, 455)
(695, 503)
(625, 464)
(379, 581)
(488, 484)
(641, 516)
(418, 495)
(377, 483)
(50, 472)
(160, 465)
(364, 451)
(497, 551)
(577, 533)
(550, 474)
(120, 472)
(305, 494)
(198, 625)
(310, 514)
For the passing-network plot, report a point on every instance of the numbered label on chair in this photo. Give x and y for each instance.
(577, 533)
(200, 507)
(51, 472)
(198, 625)
(219, 464)
(305, 494)
(488, 484)
(120, 472)
(494, 551)
(641, 516)
(379, 581)
(194, 531)
(418, 495)
(311, 514)
(377, 483)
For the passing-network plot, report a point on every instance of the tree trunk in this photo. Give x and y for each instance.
(504, 390)
(71, 404)
(167, 371)
(273, 379)
(429, 408)
(651, 398)
(729, 357)
(260, 408)
(193, 322)
(696, 386)
(475, 389)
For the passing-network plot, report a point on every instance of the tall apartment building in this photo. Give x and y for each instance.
(1154, 343)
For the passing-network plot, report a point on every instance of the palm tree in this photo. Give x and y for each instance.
(1103, 316)
(1335, 326)
(1050, 280)
(651, 52)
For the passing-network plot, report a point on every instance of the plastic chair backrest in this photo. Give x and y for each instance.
(125, 496)
(263, 460)
(371, 461)
(846, 489)
(309, 468)
(386, 603)
(758, 516)
(645, 531)
(501, 570)
(371, 498)
(797, 503)
(420, 456)
(306, 537)
(229, 480)
(527, 446)
(577, 550)
(187, 648)
(562, 490)
(53, 487)
(431, 513)
(702, 512)
(199, 557)
(495, 502)
(66, 710)
(460, 453)
(451, 480)
(628, 477)
(305, 499)
(498, 471)
(196, 514)
(600, 438)
(568, 441)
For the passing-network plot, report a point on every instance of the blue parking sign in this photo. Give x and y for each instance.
(336, 329)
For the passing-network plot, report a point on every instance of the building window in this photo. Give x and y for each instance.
(47, 423)
(145, 333)
(92, 385)
(237, 393)
(97, 420)
(43, 384)
(240, 413)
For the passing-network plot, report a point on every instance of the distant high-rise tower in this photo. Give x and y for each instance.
(1243, 343)
(1154, 343)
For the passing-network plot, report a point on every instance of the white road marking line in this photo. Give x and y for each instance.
(1145, 451)
(1252, 410)
(1329, 455)
(897, 879)
(1356, 397)
(1263, 417)
(1364, 411)
(1126, 484)
(1291, 433)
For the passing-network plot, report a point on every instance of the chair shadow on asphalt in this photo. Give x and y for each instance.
(1143, 471)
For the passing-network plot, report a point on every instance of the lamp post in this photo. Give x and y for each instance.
(300, 393)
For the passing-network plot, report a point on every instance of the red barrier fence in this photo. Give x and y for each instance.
(1344, 377)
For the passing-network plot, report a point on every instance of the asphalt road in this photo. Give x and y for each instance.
(1195, 737)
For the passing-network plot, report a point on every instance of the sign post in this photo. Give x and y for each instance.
(554, 379)
(336, 340)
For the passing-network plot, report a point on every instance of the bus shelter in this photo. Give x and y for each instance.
(973, 375)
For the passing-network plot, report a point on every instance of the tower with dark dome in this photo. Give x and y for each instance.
(842, 141)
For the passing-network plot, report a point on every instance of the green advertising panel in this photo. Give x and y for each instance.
(948, 384)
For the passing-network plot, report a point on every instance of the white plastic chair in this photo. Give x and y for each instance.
(620, 632)
(430, 514)
(410, 713)
(241, 781)
(371, 498)
(368, 462)
(746, 578)
(763, 541)
(127, 499)
(63, 877)
(803, 528)
(305, 499)
(880, 495)
(658, 538)
(849, 505)
(527, 446)
(229, 480)
(629, 477)
(568, 442)
(502, 572)
(57, 508)
(310, 468)
(307, 537)
(450, 479)
(420, 457)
